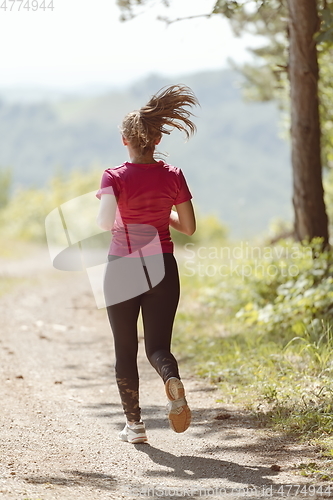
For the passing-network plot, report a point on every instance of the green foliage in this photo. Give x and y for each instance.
(5, 185)
(326, 107)
(265, 286)
(268, 80)
(209, 229)
(24, 215)
(266, 338)
(328, 188)
(229, 8)
(293, 303)
(243, 190)
(317, 342)
(129, 8)
(325, 34)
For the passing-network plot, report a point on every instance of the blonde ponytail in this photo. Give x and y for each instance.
(164, 112)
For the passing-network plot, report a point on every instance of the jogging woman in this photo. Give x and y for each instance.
(141, 194)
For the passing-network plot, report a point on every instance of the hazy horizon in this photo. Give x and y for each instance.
(79, 44)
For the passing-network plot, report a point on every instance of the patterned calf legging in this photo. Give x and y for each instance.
(158, 306)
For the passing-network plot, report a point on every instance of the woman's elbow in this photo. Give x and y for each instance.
(190, 230)
(104, 224)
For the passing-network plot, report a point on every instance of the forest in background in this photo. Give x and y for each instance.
(237, 165)
(255, 319)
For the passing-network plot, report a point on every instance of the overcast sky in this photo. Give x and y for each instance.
(82, 43)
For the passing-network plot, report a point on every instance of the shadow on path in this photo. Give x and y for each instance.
(194, 468)
(76, 478)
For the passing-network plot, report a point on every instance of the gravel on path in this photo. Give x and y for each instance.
(61, 414)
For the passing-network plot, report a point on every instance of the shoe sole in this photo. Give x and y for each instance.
(138, 440)
(179, 422)
(134, 441)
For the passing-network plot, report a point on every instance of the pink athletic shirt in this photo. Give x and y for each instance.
(145, 194)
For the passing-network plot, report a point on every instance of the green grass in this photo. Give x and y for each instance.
(277, 364)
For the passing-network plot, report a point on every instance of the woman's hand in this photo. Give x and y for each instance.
(184, 219)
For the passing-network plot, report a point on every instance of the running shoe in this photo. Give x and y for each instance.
(179, 412)
(135, 433)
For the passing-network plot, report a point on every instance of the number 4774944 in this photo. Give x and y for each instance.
(26, 5)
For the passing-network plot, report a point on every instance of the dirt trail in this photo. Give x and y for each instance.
(60, 412)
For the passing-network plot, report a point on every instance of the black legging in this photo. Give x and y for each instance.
(158, 306)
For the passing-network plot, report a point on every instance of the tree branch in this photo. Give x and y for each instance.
(171, 21)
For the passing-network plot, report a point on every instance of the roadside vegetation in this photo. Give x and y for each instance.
(257, 322)
(255, 317)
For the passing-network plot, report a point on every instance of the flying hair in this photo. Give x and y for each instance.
(163, 112)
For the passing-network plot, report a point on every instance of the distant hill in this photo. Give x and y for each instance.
(236, 165)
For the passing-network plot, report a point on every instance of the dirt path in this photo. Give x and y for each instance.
(60, 413)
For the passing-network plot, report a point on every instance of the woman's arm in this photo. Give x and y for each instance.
(107, 211)
(184, 219)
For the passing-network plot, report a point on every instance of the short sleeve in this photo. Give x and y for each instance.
(109, 184)
(184, 193)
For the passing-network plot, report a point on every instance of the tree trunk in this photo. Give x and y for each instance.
(308, 196)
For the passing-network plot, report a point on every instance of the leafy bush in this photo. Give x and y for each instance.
(5, 185)
(209, 229)
(265, 333)
(23, 217)
(293, 303)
